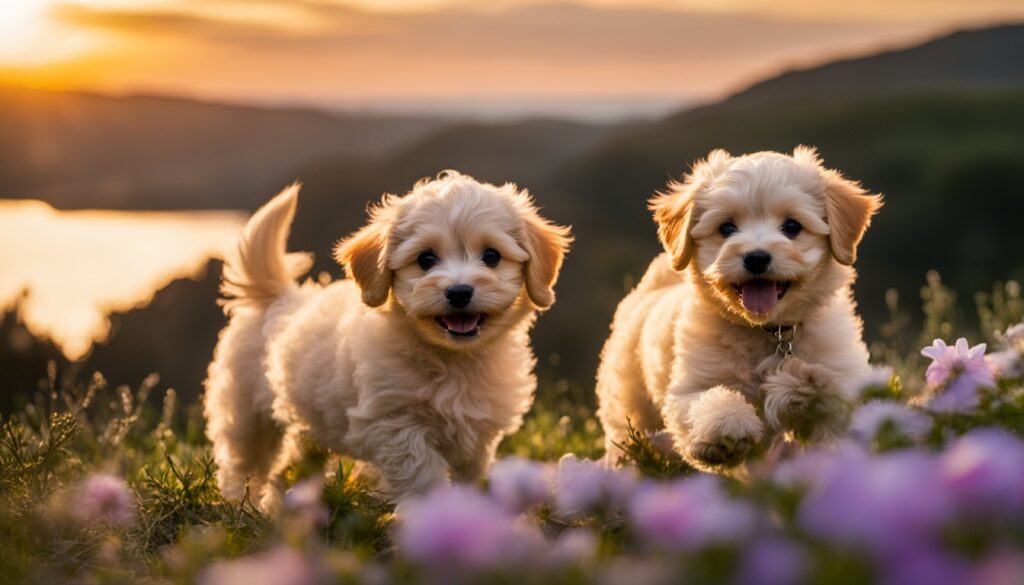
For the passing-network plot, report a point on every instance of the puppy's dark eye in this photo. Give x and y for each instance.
(491, 257)
(791, 228)
(727, 229)
(426, 260)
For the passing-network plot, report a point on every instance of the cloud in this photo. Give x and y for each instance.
(326, 52)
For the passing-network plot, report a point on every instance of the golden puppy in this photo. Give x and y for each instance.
(745, 327)
(418, 365)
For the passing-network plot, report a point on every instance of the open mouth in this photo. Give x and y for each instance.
(760, 296)
(461, 324)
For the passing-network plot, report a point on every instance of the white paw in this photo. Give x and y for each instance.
(723, 429)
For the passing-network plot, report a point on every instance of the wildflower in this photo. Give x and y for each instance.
(304, 503)
(1000, 568)
(956, 373)
(458, 528)
(889, 417)
(279, 566)
(574, 547)
(1014, 335)
(877, 381)
(519, 484)
(984, 470)
(105, 498)
(885, 503)
(924, 564)
(773, 561)
(583, 486)
(812, 467)
(689, 514)
(1008, 363)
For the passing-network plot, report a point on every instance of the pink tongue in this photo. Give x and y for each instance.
(462, 322)
(759, 296)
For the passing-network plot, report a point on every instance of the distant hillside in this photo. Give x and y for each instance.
(84, 150)
(990, 58)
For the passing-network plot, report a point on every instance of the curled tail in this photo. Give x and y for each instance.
(258, 270)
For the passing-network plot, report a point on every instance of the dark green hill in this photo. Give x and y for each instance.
(990, 58)
(143, 152)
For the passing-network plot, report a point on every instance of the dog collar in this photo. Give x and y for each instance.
(784, 335)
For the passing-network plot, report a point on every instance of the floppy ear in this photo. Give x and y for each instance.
(848, 211)
(364, 256)
(674, 209)
(547, 244)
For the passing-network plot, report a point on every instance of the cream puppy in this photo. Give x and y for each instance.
(745, 327)
(419, 364)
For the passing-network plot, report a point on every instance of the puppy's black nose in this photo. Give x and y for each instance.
(459, 295)
(757, 261)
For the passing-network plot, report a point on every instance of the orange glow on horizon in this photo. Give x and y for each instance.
(344, 52)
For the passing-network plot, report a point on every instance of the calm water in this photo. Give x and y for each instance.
(79, 266)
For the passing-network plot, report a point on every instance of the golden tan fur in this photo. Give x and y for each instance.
(687, 356)
(362, 366)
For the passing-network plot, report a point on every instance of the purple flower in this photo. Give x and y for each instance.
(955, 374)
(773, 561)
(924, 564)
(812, 467)
(105, 498)
(984, 470)
(519, 484)
(303, 501)
(278, 566)
(883, 503)
(574, 547)
(999, 568)
(689, 514)
(583, 487)
(458, 528)
(870, 418)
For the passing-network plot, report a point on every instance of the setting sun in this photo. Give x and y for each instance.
(20, 21)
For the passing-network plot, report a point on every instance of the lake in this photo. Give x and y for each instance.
(77, 267)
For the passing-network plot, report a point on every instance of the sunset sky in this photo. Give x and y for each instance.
(335, 53)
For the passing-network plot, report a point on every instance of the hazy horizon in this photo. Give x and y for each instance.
(603, 60)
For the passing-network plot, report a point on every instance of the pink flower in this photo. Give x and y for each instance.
(279, 566)
(1000, 568)
(870, 418)
(884, 503)
(984, 470)
(105, 498)
(574, 547)
(455, 528)
(519, 484)
(773, 561)
(583, 487)
(956, 373)
(689, 514)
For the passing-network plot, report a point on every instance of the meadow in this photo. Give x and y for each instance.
(110, 484)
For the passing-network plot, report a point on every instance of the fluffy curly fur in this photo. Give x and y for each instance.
(370, 367)
(687, 354)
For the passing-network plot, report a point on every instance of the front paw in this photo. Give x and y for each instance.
(721, 452)
(805, 400)
(723, 430)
